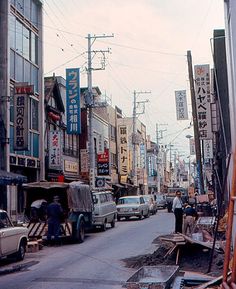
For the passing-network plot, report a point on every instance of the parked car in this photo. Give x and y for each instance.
(104, 209)
(161, 201)
(132, 206)
(13, 240)
(149, 199)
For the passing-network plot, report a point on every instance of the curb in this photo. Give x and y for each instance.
(16, 268)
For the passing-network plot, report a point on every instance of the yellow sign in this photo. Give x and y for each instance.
(71, 167)
(123, 179)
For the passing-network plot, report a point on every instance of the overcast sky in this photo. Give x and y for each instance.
(148, 50)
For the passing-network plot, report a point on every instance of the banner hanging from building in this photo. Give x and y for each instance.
(21, 129)
(55, 150)
(73, 113)
(203, 100)
(181, 105)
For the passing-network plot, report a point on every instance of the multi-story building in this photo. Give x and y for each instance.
(152, 163)
(21, 110)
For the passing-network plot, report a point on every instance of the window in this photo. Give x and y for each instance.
(12, 32)
(27, 8)
(34, 14)
(35, 145)
(34, 114)
(20, 5)
(19, 76)
(19, 38)
(34, 77)
(27, 71)
(26, 43)
(12, 64)
(34, 48)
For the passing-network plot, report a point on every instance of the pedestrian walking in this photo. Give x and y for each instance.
(54, 214)
(190, 216)
(177, 208)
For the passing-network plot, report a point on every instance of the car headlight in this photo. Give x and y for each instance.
(135, 209)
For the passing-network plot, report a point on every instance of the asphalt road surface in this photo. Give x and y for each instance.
(96, 263)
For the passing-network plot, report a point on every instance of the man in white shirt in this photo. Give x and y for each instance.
(177, 208)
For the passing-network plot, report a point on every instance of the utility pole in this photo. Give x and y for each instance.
(159, 136)
(135, 140)
(195, 122)
(90, 105)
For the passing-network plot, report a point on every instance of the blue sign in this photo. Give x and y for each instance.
(73, 101)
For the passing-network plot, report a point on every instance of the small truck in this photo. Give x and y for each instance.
(77, 204)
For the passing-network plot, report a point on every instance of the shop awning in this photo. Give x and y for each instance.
(8, 178)
(46, 185)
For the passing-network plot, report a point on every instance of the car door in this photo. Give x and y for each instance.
(8, 235)
(143, 205)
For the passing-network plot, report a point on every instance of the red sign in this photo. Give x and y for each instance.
(24, 89)
(104, 157)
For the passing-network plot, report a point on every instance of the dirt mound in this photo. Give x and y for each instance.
(192, 257)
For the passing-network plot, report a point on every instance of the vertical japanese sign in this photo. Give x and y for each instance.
(192, 146)
(142, 156)
(55, 150)
(84, 161)
(203, 100)
(181, 105)
(123, 150)
(103, 163)
(73, 101)
(208, 149)
(21, 122)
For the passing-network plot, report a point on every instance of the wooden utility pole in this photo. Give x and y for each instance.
(195, 123)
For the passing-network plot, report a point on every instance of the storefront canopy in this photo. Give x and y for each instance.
(8, 178)
(46, 185)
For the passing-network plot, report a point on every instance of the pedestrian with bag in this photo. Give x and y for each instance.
(54, 214)
(177, 208)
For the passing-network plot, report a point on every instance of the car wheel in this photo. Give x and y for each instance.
(113, 223)
(127, 218)
(21, 252)
(147, 215)
(80, 234)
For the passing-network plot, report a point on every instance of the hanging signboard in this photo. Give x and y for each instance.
(192, 146)
(203, 100)
(21, 122)
(181, 105)
(73, 101)
(55, 150)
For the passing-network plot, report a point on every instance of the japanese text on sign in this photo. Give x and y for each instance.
(21, 122)
(73, 101)
(103, 163)
(203, 100)
(55, 151)
(181, 105)
(123, 150)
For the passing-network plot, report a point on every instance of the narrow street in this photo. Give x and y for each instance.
(94, 264)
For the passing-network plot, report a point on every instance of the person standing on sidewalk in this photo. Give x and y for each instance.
(177, 208)
(54, 214)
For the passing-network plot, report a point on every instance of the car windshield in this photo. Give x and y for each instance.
(146, 198)
(128, 201)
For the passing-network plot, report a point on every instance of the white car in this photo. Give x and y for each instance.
(132, 206)
(104, 209)
(13, 240)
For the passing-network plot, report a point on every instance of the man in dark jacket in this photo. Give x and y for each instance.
(54, 214)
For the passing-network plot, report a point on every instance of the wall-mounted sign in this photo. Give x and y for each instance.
(71, 167)
(192, 146)
(84, 161)
(73, 101)
(203, 100)
(21, 122)
(181, 105)
(123, 150)
(208, 148)
(55, 150)
(103, 163)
